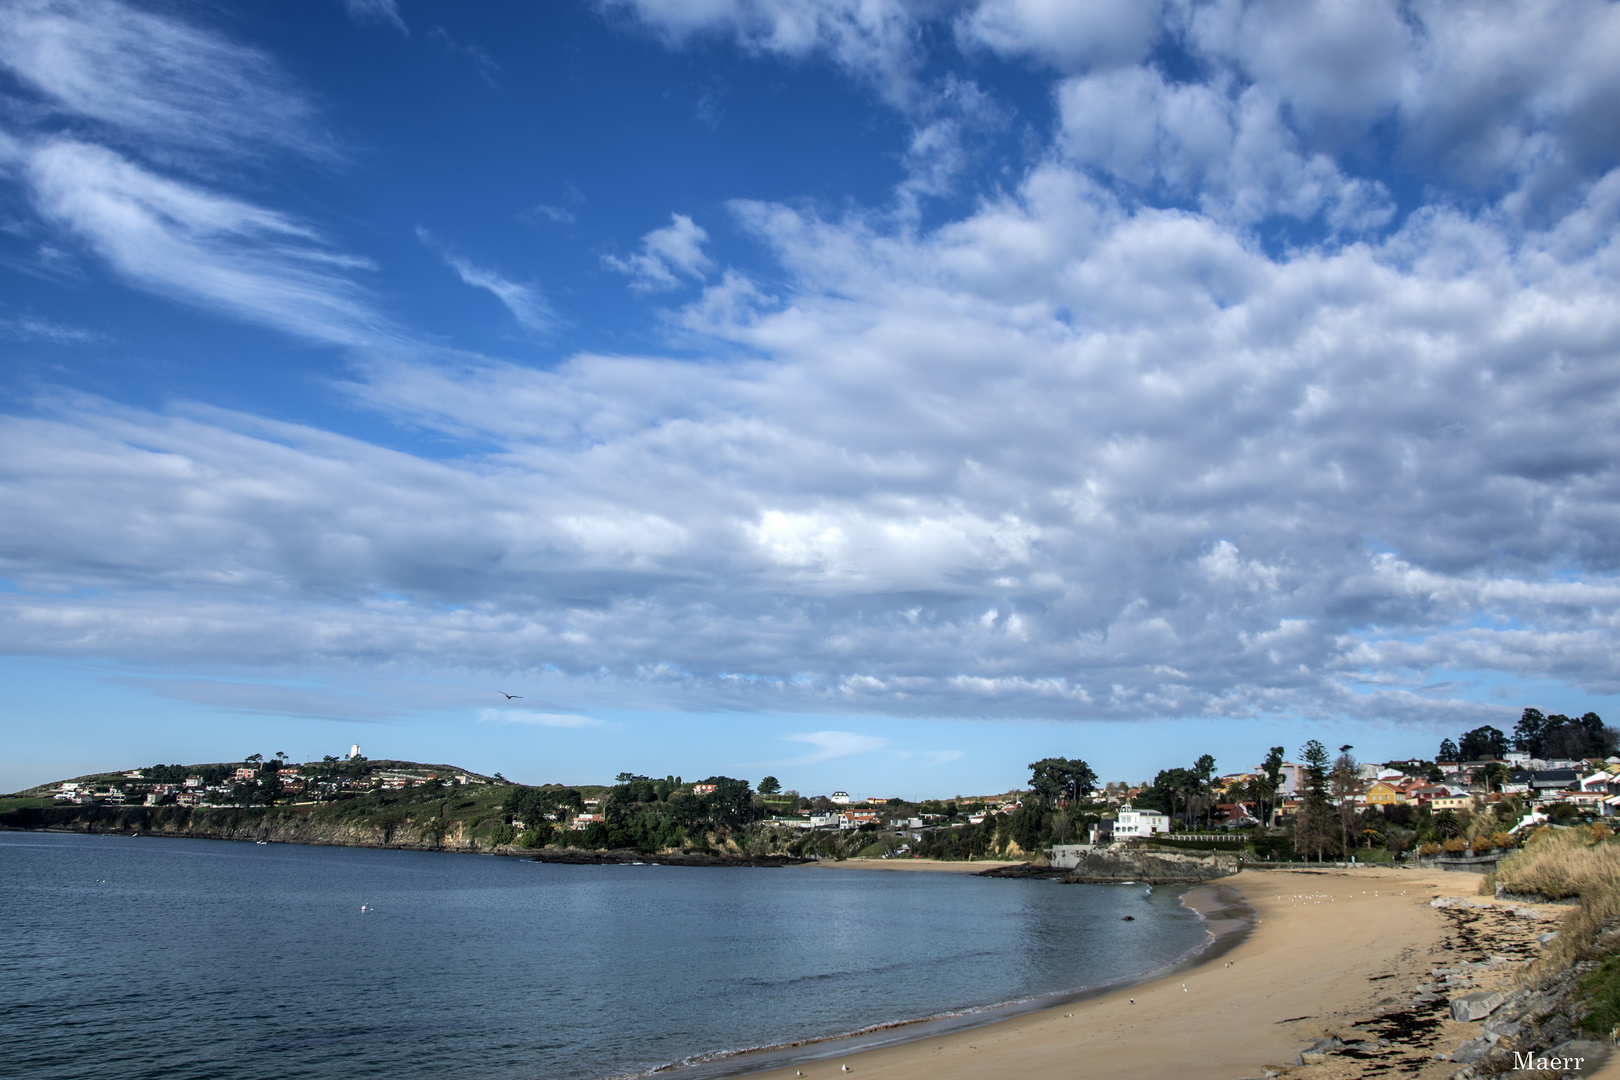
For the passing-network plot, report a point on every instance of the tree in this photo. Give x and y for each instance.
(1344, 784)
(533, 806)
(770, 785)
(1267, 789)
(731, 803)
(1493, 776)
(1311, 825)
(1483, 742)
(1449, 751)
(1528, 732)
(1563, 737)
(1061, 779)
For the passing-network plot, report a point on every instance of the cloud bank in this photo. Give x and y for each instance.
(1102, 447)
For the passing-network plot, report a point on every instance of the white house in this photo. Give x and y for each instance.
(1132, 823)
(841, 798)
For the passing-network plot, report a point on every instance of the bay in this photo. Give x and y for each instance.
(150, 957)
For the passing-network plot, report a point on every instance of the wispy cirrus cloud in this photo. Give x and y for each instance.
(384, 12)
(155, 105)
(271, 698)
(831, 745)
(156, 78)
(527, 303)
(539, 719)
(31, 328)
(191, 244)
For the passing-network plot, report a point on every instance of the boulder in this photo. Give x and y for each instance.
(1475, 1006)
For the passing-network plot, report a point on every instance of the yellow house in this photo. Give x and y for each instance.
(1451, 802)
(1382, 794)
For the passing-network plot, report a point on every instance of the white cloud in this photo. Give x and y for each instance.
(527, 303)
(1495, 94)
(1089, 450)
(144, 74)
(561, 215)
(376, 11)
(30, 328)
(1067, 35)
(136, 88)
(872, 39)
(1234, 156)
(538, 719)
(190, 244)
(677, 248)
(832, 745)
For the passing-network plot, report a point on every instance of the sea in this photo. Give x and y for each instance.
(147, 957)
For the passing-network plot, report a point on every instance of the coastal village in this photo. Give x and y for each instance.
(1478, 795)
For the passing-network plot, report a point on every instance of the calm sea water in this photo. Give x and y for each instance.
(147, 957)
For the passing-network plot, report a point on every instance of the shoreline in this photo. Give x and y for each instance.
(1227, 917)
(1319, 951)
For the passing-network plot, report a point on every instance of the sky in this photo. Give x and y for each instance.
(878, 394)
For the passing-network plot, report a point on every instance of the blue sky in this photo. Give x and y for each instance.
(879, 393)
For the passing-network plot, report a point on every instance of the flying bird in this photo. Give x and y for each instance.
(507, 696)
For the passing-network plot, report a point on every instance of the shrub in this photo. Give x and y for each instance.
(1455, 846)
(536, 835)
(1559, 863)
(1428, 847)
(500, 836)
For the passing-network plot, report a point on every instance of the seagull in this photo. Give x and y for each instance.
(507, 696)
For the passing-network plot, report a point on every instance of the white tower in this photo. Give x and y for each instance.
(354, 751)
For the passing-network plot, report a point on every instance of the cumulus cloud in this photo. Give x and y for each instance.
(1497, 95)
(1067, 35)
(676, 249)
(1234, 155)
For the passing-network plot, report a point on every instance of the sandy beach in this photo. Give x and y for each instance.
(1326, 949)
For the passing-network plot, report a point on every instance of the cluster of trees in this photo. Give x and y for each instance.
(1188, 795)
(1056, 780)
(1536, 734)
(638, 812)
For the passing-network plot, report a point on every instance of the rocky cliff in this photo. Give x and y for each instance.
(1127, 864)
(284, 825)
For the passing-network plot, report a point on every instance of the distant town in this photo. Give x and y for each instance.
(1477, 794)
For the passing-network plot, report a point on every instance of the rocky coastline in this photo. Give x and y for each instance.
(1114, 866)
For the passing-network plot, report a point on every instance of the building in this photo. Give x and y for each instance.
(705, 789)
(841, 798)
(1384, 793)
(1292, 777)
(354, 751)
(1135, 823)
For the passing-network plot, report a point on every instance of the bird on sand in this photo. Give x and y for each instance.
(507, 696)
